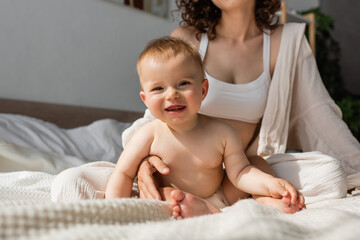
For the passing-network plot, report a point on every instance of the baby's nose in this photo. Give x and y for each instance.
(172, 93)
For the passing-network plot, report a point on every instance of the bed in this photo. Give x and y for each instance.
(39, 140)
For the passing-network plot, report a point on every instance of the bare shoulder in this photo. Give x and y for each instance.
(187, 34)
(220, 127)
(146, 131)
(153, 124)
(228, 139)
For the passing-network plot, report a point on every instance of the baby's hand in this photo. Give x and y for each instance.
(280, 188)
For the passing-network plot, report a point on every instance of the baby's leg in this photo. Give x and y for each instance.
(185, 204)
(232, 194)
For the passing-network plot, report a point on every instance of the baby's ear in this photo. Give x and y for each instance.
(205, 88)
(143, 97)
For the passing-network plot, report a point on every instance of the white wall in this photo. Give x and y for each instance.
(79, 52)
(301, 5)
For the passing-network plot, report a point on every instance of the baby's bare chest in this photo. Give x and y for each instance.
(195, 162)
(191, 152)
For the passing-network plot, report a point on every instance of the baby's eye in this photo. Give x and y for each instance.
(183, 83)
(157, 89)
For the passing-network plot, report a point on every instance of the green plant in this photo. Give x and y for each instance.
(350, 107)
(328, 55)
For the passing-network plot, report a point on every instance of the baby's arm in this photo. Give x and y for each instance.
(249, 178)
(121, 180)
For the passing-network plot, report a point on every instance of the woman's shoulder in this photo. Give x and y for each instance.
(286, 34)
(187, 34)
(287, 29)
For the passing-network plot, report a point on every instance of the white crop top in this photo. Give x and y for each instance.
(243, 102)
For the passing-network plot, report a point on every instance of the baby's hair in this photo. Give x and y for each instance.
(162, 49)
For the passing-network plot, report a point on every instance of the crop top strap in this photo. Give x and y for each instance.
(203, 45)
(266, 51)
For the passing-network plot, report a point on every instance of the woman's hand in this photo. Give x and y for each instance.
(146, 182)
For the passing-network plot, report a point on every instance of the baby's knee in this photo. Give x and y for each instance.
(85, 182)
(329, 180)
(316, 175)
(66, 185)
(80, 183)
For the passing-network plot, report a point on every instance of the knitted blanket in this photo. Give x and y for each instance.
(35, 217)
(28, 213)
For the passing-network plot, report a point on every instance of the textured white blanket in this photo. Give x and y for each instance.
(27, 213)
(38, 218)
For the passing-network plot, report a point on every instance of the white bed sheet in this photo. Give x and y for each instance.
(99, 141)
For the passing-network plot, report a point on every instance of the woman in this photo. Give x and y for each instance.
(239, 42)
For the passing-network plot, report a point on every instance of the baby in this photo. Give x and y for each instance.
(192, 145)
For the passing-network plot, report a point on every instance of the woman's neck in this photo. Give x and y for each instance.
(238, 24)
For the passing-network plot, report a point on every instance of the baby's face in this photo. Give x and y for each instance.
(173, 88)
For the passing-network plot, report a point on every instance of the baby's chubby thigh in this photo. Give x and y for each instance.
(231, 193)
(84, 182)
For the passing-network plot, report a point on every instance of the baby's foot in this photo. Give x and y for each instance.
(187, 205)
(286, 206)
(283, 204)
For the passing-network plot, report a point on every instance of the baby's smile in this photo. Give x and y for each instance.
(175, 108)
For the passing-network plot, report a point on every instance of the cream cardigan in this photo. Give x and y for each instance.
(300, 113)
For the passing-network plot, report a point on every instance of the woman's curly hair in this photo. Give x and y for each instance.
(203, 15)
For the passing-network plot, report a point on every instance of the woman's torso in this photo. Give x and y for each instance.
(238, 63)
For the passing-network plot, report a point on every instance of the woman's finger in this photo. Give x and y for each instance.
(158, 164)
(150, 188)
(146, 183)
(144, 193)
(141, 195)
